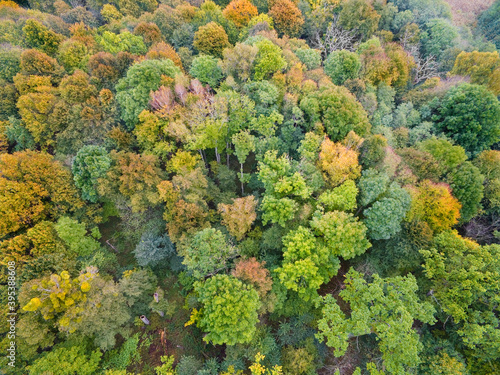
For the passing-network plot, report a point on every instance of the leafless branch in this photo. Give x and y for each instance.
(336, 38)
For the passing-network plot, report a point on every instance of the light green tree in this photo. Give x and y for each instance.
(387, 308)
(229, 312)
(464, 278)
(208, 253)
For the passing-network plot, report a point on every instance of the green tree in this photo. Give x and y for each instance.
(206, 69)
(448, 155)
(229, 312)
(361, 16)
(311, 58)
(67, 360)
(488, 23)
(307, 263)
(383, 218)
(74, 235)
(464, 278)
(10, 63)
(338, 110)
(470, 115)
(466, 183)
(90, 164)
(281, 181)
(342, 65)
(208, 253)
(488, 163)
(438, 35)
(73, 54)
(342, 233)
(142, 78)
(341, 198)
(269, 60)
(385, 307)
(123, 42)
(244, 144)
(152, 250)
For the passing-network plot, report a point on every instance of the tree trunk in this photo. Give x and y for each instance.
(217, 155)
(241, 179)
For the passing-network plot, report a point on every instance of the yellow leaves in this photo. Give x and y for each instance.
(64, 321)
(195, 316)
(65, 275)
(482, 67)
(127, 273)
(257, 369)
(435, 205)
(33, 305)
(338, 162)
(85, 287)
(55, 278)
(182, 162)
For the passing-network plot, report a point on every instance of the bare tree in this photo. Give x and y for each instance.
(425, 67)
(336, 38)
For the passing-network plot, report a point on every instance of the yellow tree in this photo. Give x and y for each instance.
(482, 67)
(338, 162)
(33, 187)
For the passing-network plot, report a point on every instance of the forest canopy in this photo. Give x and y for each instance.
(265, 187)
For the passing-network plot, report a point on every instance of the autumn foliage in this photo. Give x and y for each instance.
(287, 18)
(240, 12)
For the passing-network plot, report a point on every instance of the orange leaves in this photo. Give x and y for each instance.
(240, 12)
(253, 271)
(32, 187)
(163, 50)
(287, 17)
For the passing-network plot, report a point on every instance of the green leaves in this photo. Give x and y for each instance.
(341, 233)
(341, 198)
(269, 60)
(464, 280)
(208, 253)
(470, 115)
(311, 256)
(386, 307)
(142, 78)
(229, 313)
(74, 234)
(90, 164)
(306, 264)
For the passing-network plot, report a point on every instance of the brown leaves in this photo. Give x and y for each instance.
(239, 216)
